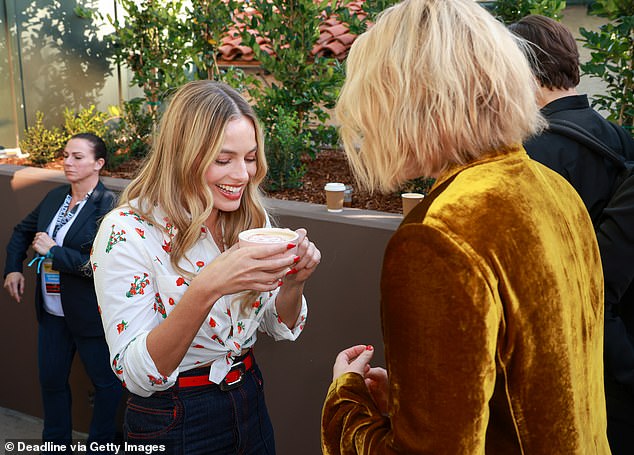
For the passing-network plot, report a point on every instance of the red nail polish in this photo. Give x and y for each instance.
(369, 347)
(292, 271)
(296, 259)
(290, 246)
(279, 283)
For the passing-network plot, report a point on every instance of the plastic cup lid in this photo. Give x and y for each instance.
(335, 187)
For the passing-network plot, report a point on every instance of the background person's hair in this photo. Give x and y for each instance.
(433, 84)
(98, 145)
(190, 136)
(555, 60)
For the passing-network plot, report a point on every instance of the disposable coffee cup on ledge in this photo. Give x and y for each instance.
(334, 196)
(267, 236)
(410, 200)
(347, 196)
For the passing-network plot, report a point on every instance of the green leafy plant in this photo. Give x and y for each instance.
(509, 11)
(359, 23)
(612, 59)
(131, 132)
(285, 143)
(303, 83)
(152, 42)
(209, 21)
(41, 143)
(88, 120)
(419, 185)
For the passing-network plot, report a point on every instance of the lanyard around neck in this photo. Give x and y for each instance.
(64, 215)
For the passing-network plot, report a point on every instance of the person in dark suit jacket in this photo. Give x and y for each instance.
(556, 67)
(61, 230)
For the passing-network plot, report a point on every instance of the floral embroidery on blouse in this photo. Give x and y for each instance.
(171, 232)
(138, 285)
(157, 381)
(115, 237)
(122, 326)
(135, 215)
(217, 339)
(118, 369)
(257, 306)
(158, 305)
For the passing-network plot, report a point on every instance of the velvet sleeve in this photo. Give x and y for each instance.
(351, 423)
(441, 319)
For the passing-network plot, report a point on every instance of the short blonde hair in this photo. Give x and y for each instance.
(433, 84)
(189, 139)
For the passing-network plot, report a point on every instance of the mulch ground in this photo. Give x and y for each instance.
(332, 166)
(328, 166)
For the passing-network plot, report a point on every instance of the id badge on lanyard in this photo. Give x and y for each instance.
(50, 277)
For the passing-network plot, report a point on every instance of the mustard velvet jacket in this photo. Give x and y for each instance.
(492, 312)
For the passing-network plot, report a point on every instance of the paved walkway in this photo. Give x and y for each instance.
(16, 425)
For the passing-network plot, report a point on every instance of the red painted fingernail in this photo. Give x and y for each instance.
(369, 347)
(296, 259)
(292, 271)
(279, 283)
(290, 246)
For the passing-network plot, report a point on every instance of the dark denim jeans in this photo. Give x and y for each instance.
(203, 419)
(56, 349)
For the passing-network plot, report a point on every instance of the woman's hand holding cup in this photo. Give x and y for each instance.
(306, 254)
(258, 268)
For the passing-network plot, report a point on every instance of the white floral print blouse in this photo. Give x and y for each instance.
(137, 288)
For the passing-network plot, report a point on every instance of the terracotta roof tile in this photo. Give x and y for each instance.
(332, 49)
(334, 41)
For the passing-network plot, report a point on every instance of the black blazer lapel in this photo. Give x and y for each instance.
(50, 208)
(86, 212)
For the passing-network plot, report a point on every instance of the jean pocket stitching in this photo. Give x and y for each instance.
(176, 411)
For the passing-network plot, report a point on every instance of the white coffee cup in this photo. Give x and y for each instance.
(267, 236)
(334, 196)
(410, 200)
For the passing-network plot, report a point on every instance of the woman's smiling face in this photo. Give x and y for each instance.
(235, 165)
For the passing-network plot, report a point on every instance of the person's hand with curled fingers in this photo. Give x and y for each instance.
(14, 284)
(255, 268)
(356, 359)
(289, 299)
(42, 243)
(376, 381)
(308, 259)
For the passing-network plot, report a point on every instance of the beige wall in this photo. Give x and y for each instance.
(574, 18)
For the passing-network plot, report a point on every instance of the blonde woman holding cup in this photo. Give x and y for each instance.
(169, 273)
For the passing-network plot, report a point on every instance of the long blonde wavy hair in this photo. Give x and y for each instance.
(433, 84)
(189, 138)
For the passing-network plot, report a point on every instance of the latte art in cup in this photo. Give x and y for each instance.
(267, 236)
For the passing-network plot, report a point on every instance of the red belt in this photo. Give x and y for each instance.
(232, 380)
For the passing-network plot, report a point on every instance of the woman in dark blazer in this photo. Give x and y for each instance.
(61, 230)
